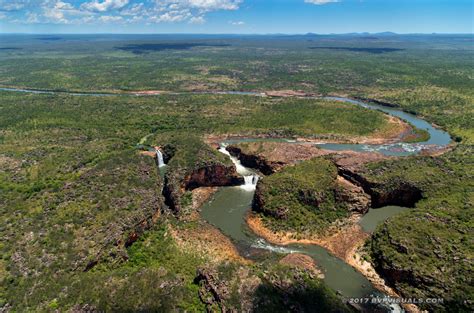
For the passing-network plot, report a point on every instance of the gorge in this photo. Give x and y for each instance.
(229, 207)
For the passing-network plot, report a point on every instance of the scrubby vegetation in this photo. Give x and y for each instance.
(283, 288)
(79, 62)
(448, 108)
(265, 287)
(75, 193)
(301, 198)
(80, 207)
(427, 252)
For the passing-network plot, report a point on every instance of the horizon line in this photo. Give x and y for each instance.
(241, 34)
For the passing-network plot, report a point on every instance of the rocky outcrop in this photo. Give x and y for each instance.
(172, 194)
(212, 175)
(255, 161)
(258, 204)
(270, 157)
(399, 193)
(304, 262)
(129, 204)
(168, 152)
(394, 192)
(352, 195)
(432, 264)
(266, 288)
(386, 267)
(228, 287)
(213, 292)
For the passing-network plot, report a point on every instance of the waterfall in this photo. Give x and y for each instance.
(159, 158)
(251, 179)
(242, 170)
(250, 182)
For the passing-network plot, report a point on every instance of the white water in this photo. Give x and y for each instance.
(251, 179)
(159, 158)
(260, 243)
(412, 148)
(250, 182)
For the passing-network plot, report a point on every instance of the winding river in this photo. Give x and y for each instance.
(228, 207)
(227, 210)
(438, 137)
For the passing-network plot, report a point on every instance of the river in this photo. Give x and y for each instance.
(228, 207)
(227, 210)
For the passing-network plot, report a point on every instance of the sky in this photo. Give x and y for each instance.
(236, 16)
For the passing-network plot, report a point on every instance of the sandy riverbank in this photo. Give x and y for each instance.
(343, 242)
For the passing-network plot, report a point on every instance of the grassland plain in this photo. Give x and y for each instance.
(74, 191)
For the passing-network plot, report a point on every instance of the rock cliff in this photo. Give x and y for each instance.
(395, 192)
(179, 181)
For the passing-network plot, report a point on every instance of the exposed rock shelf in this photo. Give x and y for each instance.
(396, 192)
(212, 175)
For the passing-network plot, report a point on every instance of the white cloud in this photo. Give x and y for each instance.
(53, 15)
(58, 12)
(320, 2)
(114, 11)
(104, 6)
(133, 10)
(172, 11)
(215, 4)
(13, 5)
(237, 23)
(197, 20)
(110, 19)
(63, 6)
(171, 17)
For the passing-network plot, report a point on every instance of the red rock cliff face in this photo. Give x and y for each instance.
(399, 192)
(212, 175)
(354, 196)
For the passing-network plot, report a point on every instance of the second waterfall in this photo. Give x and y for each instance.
(250, 177)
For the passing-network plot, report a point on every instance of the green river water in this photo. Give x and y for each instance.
(227, 208)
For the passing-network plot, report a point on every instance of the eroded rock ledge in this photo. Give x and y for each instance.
(270, 157)
(255, 161)
(396, 192)
(182, 180)
(268, 287)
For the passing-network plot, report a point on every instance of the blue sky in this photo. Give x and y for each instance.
(236, 16)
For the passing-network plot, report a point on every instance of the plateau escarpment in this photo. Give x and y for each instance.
(307, 198)
(427, 252)
(82, 229)
(266, 287)
(398, 191)
(269, 157)
(193, 164)
(179, 181)
(424, 252)
(91, 222)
